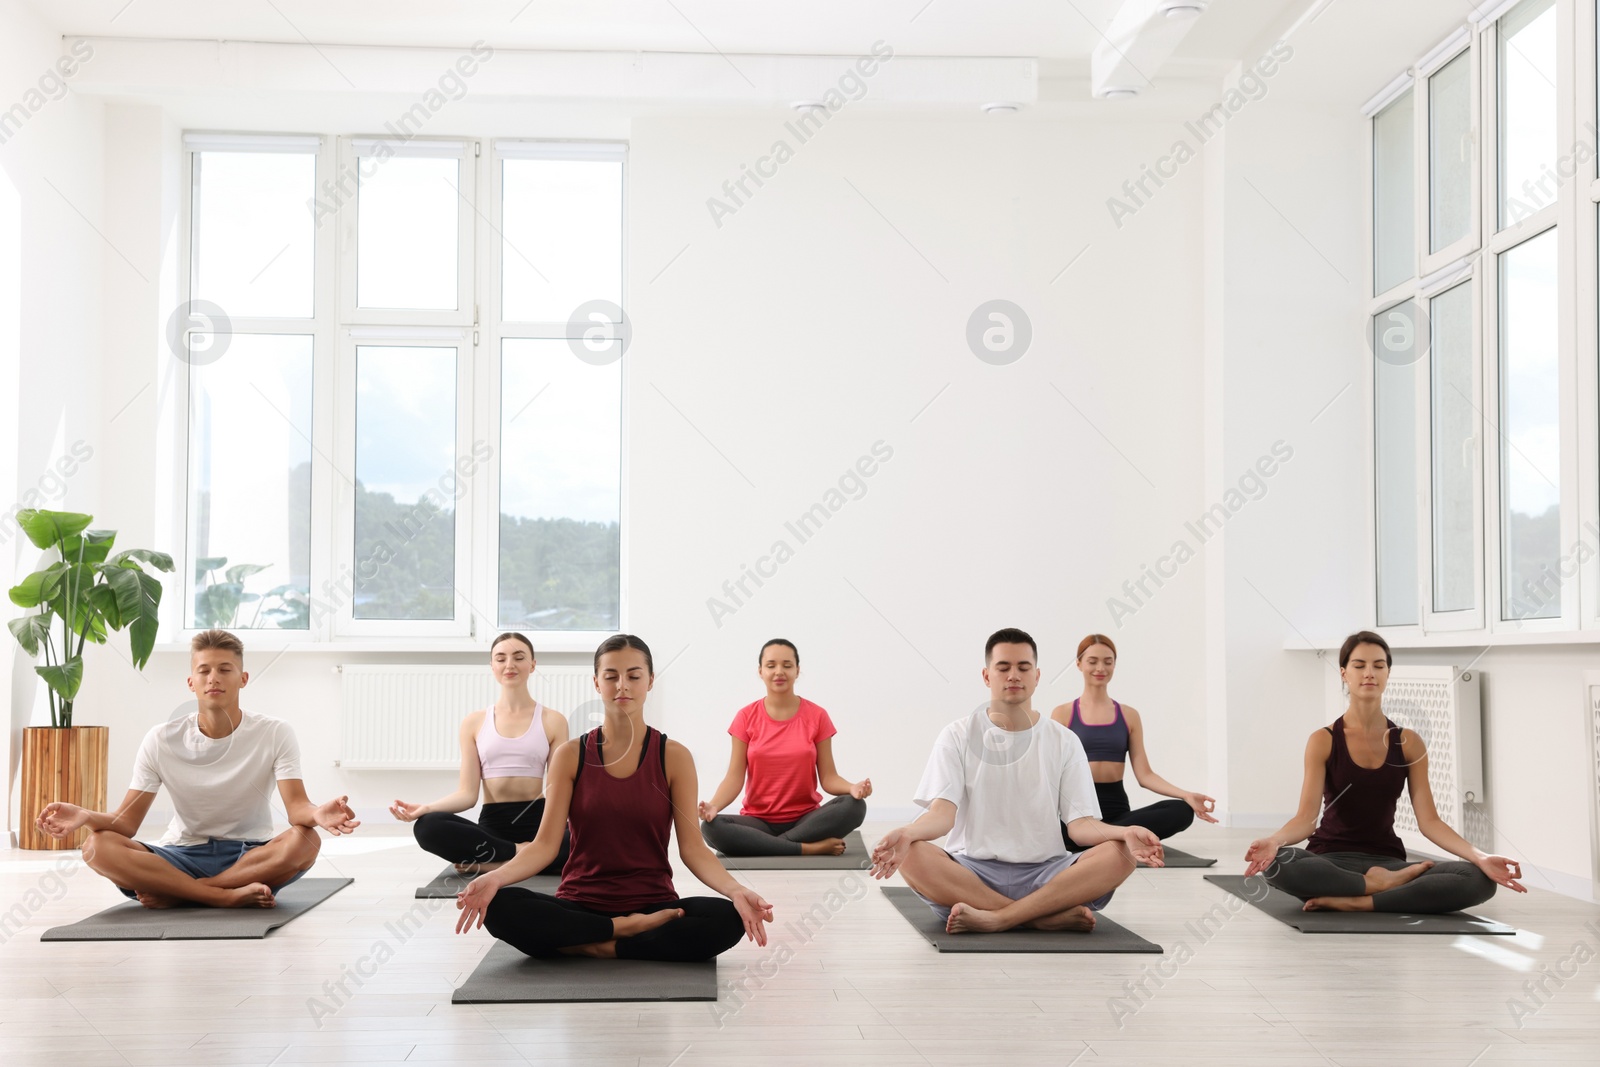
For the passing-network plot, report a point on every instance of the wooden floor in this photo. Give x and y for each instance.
(862, 989)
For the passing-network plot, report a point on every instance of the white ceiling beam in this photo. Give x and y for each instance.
(129, 66)
(1142, 37)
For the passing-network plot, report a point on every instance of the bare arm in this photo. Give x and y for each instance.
(555, 729)
(333, 816)
(834, 783)
(1502, 869)
(1263, 850)
(893, 848)
(684, 786)
(59, 820)
(467, 783)
(732, 782)
(1149, 779)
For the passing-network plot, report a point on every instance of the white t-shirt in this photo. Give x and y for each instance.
(1012, 791)
(220, 786)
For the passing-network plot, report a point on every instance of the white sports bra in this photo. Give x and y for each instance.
(513, 757)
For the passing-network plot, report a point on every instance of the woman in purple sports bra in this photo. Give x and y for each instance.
(1113, 736)
(504, 750)
(1355, 770)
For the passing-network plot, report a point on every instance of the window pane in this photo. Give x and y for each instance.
(406, 483)
(1527, 110)
(407, 222)
(1394, 387)
(250, 484)
(1393, 196)
(1455, 451)
(562, 231)
(253, 232)
(560, 489)
(1450, 153)
(1530, 432)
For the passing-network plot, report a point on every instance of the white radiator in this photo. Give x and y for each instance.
(1441, 705)
(408, 717)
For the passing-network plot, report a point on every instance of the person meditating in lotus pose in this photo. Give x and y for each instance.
(1001, 783)
(622, 788)
(785, 744)
(1113, 736)
(504, 748)
(219, 766)
(1354, 771)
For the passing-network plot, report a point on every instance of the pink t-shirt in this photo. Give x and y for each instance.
(781, 767)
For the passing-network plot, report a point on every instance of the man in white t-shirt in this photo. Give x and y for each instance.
(1000, 783)
(219, 767)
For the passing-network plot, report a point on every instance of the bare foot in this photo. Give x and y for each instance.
(604, 950)
(1338, 904)
(638, 923)
(1078, 920)
(1380, 878)
(254, 895)
(478, 868)
(156, 900)
(964, 918)
(828, 846)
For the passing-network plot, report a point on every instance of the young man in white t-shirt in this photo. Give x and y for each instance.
(219, 767)
(1000, 783)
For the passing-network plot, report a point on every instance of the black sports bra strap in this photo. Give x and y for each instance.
(663, 753)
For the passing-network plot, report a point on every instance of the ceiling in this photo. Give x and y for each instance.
(1056, 30)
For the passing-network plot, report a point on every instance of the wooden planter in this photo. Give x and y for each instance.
(61, 763)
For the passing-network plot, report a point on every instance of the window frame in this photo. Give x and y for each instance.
(337, 328)
(1462, 42)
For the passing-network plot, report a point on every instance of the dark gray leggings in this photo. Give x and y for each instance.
(745, 835)
(1444, 887)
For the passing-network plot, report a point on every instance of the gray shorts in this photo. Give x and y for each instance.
(1015, 880)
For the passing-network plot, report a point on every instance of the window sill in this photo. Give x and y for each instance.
(256, 641)
(1460, 639)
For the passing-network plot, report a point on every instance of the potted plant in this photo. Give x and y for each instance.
(84, 594)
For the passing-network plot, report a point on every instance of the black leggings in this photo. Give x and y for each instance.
(1444, 887)
(492, 839)
(745, 835)
(541, 925)
(1163, 818)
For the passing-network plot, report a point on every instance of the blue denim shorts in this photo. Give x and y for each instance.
(204, 861)
(1015, 880)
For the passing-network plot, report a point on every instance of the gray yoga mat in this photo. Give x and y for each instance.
(447, 883)
(853, 858)
(1288, 909)
(1108, 936)
(135, 922)
(506, 976)
(1176, 857)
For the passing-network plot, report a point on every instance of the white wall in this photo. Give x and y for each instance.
(797, 336)
(50, 178)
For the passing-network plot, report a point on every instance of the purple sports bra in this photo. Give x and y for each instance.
(1103, 742)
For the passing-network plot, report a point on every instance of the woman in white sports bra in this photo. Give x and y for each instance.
(504, 749)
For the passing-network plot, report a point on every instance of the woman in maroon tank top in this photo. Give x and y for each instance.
(621, 788)
(1354, 771)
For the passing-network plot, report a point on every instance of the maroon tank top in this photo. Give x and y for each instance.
(620, 826)
(1358, 802)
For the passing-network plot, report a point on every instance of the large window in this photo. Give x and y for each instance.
(387, 434)
(1479, 516)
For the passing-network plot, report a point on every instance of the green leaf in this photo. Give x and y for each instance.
(91, 547)
(145, 619)
(103, 598)
(39, 586)
(31, 631)
(64, 678)
(159, 560)
(206, 564)
(49, 528)
(239, 572)
(215, 605)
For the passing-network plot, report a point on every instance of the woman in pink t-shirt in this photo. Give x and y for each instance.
(785, 744)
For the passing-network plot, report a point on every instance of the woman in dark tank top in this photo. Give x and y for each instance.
(1354, 771)
(622, 788)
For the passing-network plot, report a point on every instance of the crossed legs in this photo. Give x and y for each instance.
(156, 883)
(1059, 904)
